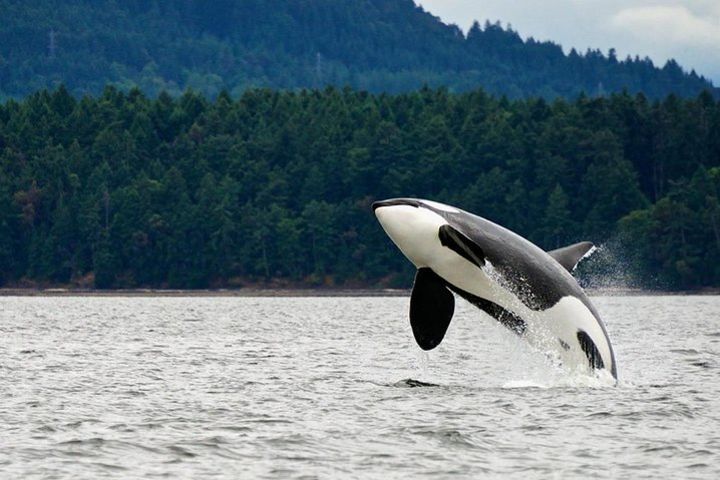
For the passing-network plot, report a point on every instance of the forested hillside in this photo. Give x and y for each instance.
(124, 191)
(376, 45)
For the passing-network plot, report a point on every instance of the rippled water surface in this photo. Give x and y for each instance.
(335, 387)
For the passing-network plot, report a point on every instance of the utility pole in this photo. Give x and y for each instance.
(52, 45)
(318, 69)
(106, 202)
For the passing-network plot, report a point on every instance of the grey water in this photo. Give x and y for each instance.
(335, 387)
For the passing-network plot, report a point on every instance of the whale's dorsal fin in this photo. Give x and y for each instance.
(569, 257)
(431, 308)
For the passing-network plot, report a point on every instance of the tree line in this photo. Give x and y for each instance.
(376, 45)
(275, 187)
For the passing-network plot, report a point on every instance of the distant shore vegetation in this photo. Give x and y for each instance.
(123, 190)
(389, 46)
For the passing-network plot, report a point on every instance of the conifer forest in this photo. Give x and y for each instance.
(275, 187)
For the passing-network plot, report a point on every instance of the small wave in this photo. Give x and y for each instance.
(95, 442)
(454, 437)
(448, 437)
(109, 466)
(45, 429)
(685, 351)
(602, 414)
(701, 364)
(660, 448)
(182, 451)
(411, 383)
(235, 428)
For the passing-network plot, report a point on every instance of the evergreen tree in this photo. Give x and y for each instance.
(276, 186)
(232, 45)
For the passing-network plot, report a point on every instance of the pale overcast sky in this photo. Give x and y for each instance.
(688, 31)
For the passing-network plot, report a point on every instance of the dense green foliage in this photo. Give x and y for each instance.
(377, 45)
(131, 191)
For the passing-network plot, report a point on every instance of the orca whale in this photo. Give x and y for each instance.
(528, 290)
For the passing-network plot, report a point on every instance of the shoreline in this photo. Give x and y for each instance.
(242, 292)
(298, 292)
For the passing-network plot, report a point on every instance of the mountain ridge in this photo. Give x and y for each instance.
(376, 45)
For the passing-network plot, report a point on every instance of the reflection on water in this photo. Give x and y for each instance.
(328, 387)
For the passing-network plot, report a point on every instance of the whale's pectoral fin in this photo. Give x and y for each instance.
(431, 307)
(462, 245)
(569, 257)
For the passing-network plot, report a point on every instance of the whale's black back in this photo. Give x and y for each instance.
(528, 271)
(533, 275)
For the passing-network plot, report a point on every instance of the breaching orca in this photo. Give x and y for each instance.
(528, 290)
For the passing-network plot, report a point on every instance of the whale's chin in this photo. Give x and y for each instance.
(414, 230)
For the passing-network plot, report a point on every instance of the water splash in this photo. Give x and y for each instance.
(524, 384)
(553, 376)
(609, 270)
(422, 359)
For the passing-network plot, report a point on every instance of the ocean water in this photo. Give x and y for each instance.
(336, 388)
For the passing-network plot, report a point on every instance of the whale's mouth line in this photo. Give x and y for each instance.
(394, 202)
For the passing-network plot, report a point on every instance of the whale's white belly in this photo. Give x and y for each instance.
(552, 331)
